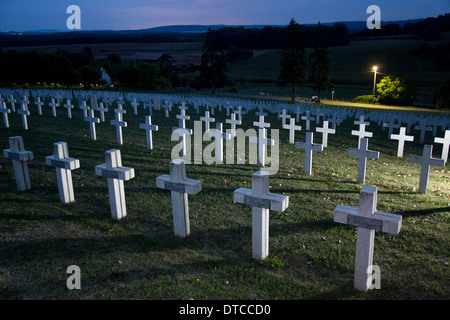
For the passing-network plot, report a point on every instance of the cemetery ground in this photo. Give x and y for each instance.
(310, 256)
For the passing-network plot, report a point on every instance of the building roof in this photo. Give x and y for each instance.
(150, 56)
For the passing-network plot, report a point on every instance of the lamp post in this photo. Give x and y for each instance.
(375, 68)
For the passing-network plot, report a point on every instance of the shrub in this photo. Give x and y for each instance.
(396, 90)
(365, 99)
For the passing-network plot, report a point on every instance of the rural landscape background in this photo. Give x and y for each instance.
(311, 257)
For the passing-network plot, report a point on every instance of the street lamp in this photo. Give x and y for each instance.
(375, 68)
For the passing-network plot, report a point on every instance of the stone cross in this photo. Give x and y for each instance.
(183, 131)
(446, 142)
(102, 111)
(23, 111)
(119, 123)
(308, 119)
(135, 104)
(426, 160)
(233, 122)
(92, 121)
(68, 106)
(261, 201)
(218, 136)
(262, 140)
(54, 105)
(292, 128)
(422, 127)
(206, 119)
(116, 174)
(391, 125)
(148, 127)
(180, 187)
(363, 153)
(11, 100)
(64, 166)
(85, 108)
(401, 137)
(325, 132)
(361, 133)
(19, 157)
(309, 147)
(283, 116)
(367, 219)
(4, 110)
(39, 104)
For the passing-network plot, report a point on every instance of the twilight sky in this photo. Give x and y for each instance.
(26, 15)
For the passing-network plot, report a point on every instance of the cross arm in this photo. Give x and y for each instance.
(121, 173)
(271, 201)
(381, 221)
(18, 155)
(189, 186)
(66, 163)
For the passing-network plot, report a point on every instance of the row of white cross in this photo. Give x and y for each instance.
(262, 140)
(365, 217)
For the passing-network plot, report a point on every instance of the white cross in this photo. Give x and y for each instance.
(64, 166)
(148, 127)
(68, 106)
(85, 108)
(239, 112)
(367, 219)
(92, 121)
(167, 107)
(53, 104)
(206, 119)
(261, 124)
(262, 141)
(363, 153)
(218, 136)
(24, 113)
(119, 123)
(182, 131)
(180, 187)
(325, 132)
(4, 110)
(401, 137)
(261, 201)
(283, 116)
(19, 157)
(102, 111)
(309, 147)
(361, 133)
(391, 125)
(446, 142)
(292, 128)
(233, 122)
(135, 104)
(116, 174)
(422, 127)
(308, 120)
(426, 160)
(39, 104)
(12, 101)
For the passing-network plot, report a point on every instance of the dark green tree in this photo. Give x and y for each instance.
(213, 65)
(443, 96)
(293, 62)
(319, 63)
(396, 90)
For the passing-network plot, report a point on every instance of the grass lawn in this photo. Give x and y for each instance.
(311, 257)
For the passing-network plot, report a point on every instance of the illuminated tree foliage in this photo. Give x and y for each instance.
(396, 90)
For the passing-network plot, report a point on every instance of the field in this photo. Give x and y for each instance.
(351, 70)
(311, 257)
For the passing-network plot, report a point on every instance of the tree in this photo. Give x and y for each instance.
(213, 65)
(293, 61)
(443, 96)
(320, 64)
(396, 90)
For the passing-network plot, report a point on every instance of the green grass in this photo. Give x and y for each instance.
(311, 257)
